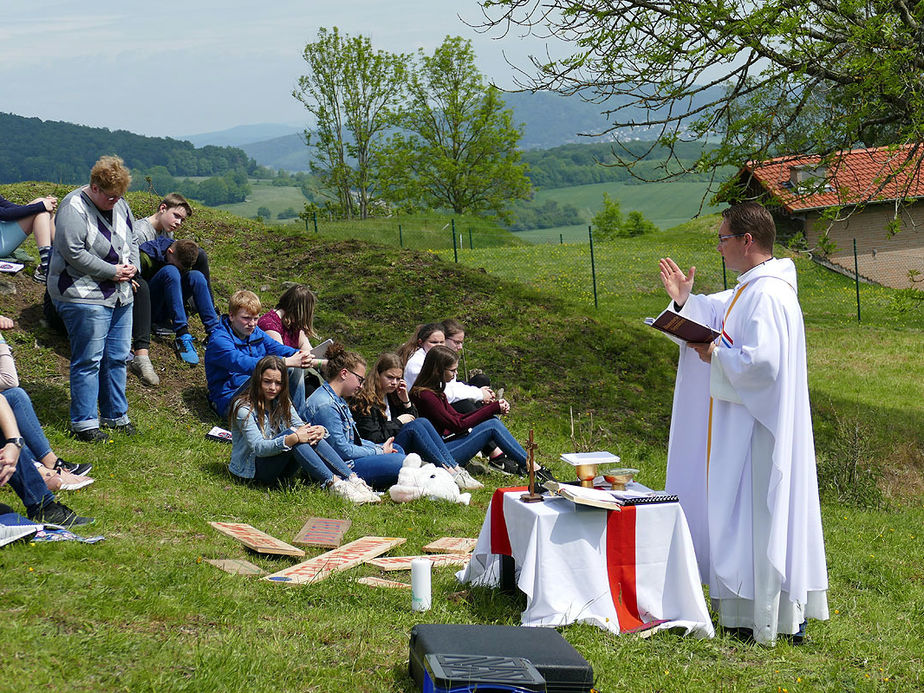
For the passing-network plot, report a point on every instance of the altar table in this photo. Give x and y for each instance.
(622, 570)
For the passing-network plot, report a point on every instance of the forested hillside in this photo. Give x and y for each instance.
(34, 149)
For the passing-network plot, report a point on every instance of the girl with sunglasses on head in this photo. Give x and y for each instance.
(269, 441)
(466, 434)
(382, 409)
(345, 374)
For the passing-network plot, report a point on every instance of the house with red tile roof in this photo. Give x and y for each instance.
(874, 197)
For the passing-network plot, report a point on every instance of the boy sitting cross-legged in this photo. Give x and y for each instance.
(167, 266)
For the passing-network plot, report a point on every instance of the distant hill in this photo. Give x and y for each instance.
(549, 120)
(243, 134)
(35, 149)
(288, 152)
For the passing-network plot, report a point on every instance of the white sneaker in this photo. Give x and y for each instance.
(465, 482)
(349, 491)
(144, 369)
(361, 484)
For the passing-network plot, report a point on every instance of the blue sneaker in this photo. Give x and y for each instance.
(186, 349)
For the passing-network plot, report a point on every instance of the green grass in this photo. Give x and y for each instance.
(665, 204)
(140, 611)
(275, 198)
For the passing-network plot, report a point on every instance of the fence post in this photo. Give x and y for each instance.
(470, 245)
(724, 278)
(593, 266)
(314, 215)
(306, 225)
(455, 247)
(400, 237)
(856, 276)
(561, 239)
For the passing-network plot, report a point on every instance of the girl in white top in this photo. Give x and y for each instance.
(413, 351)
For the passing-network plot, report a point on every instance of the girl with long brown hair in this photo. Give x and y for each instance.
(269, 441)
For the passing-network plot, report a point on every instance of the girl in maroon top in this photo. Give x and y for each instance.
(291, 322)
(465, 434)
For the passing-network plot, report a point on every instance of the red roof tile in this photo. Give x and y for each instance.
(853, 177)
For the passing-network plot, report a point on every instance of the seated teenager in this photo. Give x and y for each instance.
(345, 373)
(383, 410)
(236, 345)
(54, 470)
(172, 211)
(464, 397)
(413, 351)
(291, 323)
(167, 266)
(17, 466)
(18, 221)
(269, 441)
(465, 434)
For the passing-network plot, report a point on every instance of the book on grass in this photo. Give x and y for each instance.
(219, 433)
(683, 328)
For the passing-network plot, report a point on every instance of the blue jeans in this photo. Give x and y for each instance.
(169, 290)
(29, 427)
(419, 436)
(28, 484)
(379, 471)
(320, 462)
(100, 339)
(491, 431)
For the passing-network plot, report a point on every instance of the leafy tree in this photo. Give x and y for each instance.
(264, 212)
(352, 91)
(457, 144)
(798, 77)
(608, 221)
(636, 224)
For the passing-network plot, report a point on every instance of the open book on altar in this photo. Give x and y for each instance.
(682, 328)
(604, 498)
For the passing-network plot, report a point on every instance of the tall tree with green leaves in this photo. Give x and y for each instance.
(457, 144)
(772, 77)
(352, 91)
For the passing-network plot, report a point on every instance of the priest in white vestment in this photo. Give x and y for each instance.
(766, 563)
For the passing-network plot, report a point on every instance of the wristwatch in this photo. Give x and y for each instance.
(18, 442)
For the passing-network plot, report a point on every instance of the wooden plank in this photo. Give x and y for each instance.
(236, 566)
(346, 557)
(256, 540)
(373, 581)
(451, 545)
(319, 531)
(388, 563)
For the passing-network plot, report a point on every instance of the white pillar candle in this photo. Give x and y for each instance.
(420, 584)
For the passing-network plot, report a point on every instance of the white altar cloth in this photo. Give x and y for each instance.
(624, 571)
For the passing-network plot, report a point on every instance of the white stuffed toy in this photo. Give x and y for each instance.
(418, 480)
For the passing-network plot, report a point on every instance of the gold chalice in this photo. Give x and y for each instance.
(586, 473)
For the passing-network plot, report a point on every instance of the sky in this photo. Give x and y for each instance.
(171, 68)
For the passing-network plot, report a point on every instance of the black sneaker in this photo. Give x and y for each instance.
(504, 465)
(91, 435)
(73, 468)
(126, 429)
(55, 513)
(544, 475)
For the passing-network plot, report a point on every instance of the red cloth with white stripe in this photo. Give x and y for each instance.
(619, 570)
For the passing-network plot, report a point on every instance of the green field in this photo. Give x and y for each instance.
(143, 611)
(665, 204)
(275, 198)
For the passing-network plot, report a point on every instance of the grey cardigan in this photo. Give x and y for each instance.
(87, 249)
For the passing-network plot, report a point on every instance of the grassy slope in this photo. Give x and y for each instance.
(275, 198)
(139, 611)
